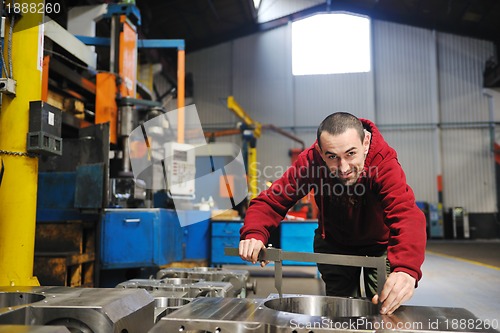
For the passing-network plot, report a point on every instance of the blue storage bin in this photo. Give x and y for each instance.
(139, 238)
(226, 234)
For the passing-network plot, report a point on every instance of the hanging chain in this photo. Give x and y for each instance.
(18, 153)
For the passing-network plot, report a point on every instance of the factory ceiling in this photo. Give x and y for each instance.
(205, 23)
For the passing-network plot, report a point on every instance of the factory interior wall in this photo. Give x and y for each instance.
(424, 92)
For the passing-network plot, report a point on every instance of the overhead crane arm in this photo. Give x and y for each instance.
(238, 111)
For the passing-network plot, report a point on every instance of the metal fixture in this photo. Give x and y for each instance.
(80, 310)
(240, 279)
(32, 329)
(184, 288)
(8, 86)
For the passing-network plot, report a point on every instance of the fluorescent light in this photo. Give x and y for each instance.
(256, 4)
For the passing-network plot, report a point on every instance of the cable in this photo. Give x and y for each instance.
(9, 43)
(4, 65)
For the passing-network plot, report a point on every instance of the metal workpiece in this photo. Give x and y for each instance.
(126, 120)
(82, 310)
(312, 314)
(190, 288)
(240, 279)
(32, 329)
(277, 255)
(166, 305)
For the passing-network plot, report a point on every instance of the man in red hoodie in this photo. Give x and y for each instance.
(365, 208)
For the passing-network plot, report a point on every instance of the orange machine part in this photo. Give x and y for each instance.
(226, 184)
(128, 58)
(105, 103)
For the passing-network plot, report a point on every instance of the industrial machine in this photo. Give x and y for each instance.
(90, 101)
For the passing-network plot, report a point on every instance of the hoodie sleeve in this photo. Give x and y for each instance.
(266, 211)
(406, 247)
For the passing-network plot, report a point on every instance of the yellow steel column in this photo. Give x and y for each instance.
(18, 191)
(253, 172)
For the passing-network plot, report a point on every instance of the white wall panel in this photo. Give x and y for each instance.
(402, 69)
(468, 179)
(414, 148)
(461, 63)
(212, 76)
(317, 96)
(262, 76)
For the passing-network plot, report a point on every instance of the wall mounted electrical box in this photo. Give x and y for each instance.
(44, 135)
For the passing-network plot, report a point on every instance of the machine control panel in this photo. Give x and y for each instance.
(180, 168)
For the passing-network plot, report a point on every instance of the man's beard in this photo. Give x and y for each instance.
(353, 178)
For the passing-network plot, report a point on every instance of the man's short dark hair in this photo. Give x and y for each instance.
(339, 122)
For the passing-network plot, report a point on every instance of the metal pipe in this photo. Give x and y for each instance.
(285, 133)
(125, 127)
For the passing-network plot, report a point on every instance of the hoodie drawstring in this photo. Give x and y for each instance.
(323, 236)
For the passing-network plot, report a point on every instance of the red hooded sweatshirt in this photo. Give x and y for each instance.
(379, 209)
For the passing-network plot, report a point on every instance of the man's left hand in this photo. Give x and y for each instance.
(398, 288)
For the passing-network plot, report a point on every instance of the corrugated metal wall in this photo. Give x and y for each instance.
(468, 179)
(403, 100)
(418, 78)
(213, 77)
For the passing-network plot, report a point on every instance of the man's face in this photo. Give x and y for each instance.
(344, 154)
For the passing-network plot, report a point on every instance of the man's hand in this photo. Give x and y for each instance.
(398, 289)
(249, 250)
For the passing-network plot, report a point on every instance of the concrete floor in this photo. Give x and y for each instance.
(455, 274)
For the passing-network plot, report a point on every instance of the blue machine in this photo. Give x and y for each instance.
(436, 221)
(196, 235)
(298, 237)
(226, 234)
(65, 194)
(433, 218)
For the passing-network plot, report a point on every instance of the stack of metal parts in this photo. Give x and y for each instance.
(77, 310)
(240, 279)
(172, 293)
(177, 287)
(313, 314)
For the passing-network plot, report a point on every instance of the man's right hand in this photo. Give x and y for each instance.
(249, 250)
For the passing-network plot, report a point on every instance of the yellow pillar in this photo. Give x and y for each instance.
(253, 172)
(18, 191)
